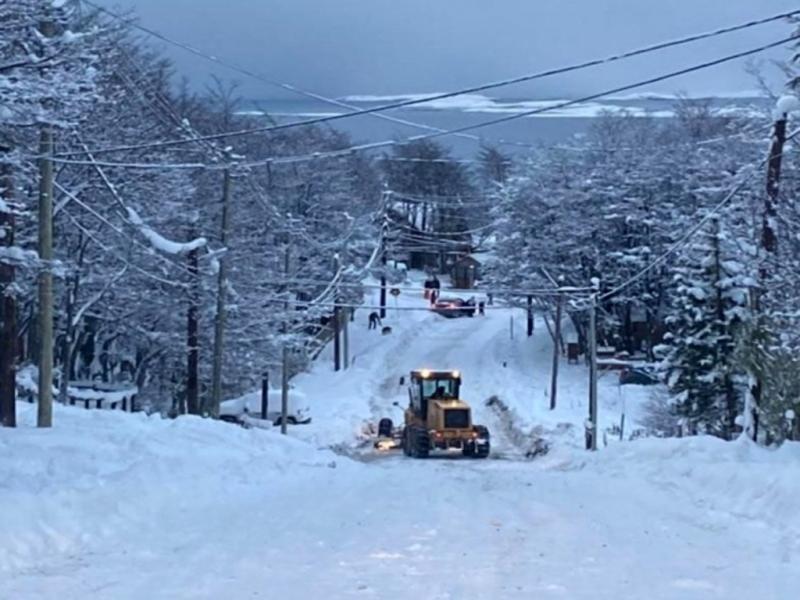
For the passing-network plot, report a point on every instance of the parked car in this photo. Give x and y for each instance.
(639, 375)
(454, 307)
(298, 412)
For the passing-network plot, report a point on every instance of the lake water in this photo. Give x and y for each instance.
(552, 127)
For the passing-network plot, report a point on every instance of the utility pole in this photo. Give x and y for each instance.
(46, 174)
(530, 316)
(265, 395)
(222, 290)
(592, 430)
(337, 314)
(192, 337)
(284, 386)
(384, 235)
(284, 343)
(556, 354)
(8, 308)
(345, 324)
(769, 243)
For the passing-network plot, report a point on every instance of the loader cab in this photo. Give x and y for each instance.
(426, 386)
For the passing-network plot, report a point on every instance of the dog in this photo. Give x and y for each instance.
(386, 330)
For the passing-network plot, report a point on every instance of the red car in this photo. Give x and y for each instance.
(454, 307)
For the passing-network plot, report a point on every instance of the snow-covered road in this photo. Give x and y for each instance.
(125, 507)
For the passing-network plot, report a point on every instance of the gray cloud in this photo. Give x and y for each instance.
(341, 47)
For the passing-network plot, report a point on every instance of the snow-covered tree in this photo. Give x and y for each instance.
(708, 311)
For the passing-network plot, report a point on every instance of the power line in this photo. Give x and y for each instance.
(463, 91)
(355, 111)
(684, 239)
(470, 90)
(308, 304)
(345, 152)
(499, 291)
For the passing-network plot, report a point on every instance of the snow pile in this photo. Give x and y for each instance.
(161, 243)
(733, 482)
(107, 475)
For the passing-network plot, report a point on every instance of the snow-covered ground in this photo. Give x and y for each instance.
(120, 506)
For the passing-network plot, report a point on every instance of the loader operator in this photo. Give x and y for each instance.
(439, 394)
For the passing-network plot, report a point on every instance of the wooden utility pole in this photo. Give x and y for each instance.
(384, 252)
(337, 341)
(8, 308)
(769, 243)
(556, 354)
(222, 291)
(345, 324)
(192, 337)
(592, 429)
(46, 174)
(284, 386)
(530, 316)
(383, 280)
(769, 239)
(285, 343)
(337, 319)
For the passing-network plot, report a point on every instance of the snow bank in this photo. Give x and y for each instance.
(161, 243)
(733, 481)
(101, 474)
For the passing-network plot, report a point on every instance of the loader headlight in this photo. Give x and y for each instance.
(425, 373)
(456, 374)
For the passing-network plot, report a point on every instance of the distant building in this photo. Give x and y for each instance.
(464, 272)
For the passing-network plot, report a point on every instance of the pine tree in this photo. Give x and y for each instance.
(709, 306)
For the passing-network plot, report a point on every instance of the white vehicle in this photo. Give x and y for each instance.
(298, 412)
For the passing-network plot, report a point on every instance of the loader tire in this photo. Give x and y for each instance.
(420, 443)
(481, 450)
(406, 441)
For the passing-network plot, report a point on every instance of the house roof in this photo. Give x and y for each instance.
(467, 259)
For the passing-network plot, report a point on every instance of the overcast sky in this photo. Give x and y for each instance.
(341, 47)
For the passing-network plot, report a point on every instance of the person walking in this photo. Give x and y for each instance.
(374, 320)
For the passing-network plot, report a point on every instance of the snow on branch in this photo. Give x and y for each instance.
(786, 104)
(161, 243)
(18, 257)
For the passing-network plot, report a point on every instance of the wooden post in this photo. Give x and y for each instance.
(383, 283)
(284, 387)
(45, 407)
(592, 430)
(530, 316)
(346, 337)
(337, 318)
(265, 395)
(192, 336)
(222, 291)
(384, 257)
(337, 341)
(8, 305)
(556, 354)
